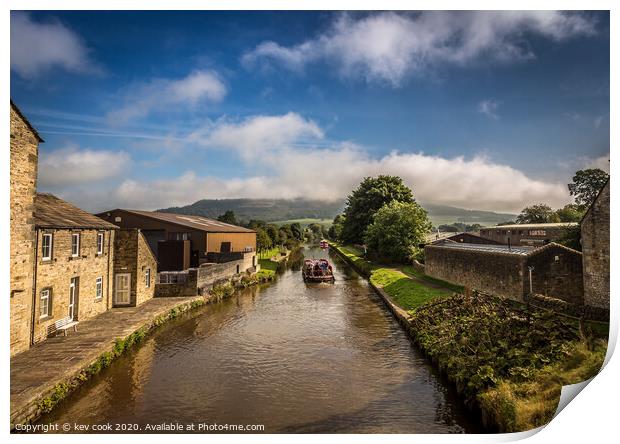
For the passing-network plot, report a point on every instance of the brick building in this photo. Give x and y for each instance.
(182, 241)
(527, 234)
(556, 271)
(73, 264)
(135, 269)
(23, 167)
(595, 248)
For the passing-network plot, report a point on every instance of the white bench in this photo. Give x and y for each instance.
(63, 325)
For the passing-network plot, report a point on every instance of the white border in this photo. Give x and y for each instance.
(590, 418)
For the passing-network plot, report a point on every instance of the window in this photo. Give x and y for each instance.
(47, 247)
(75, 244)
(147, 278)
(44, 310)
(100, 238)
(99, 291)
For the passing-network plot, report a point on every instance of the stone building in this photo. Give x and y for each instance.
(73, 264)
(23, 169)
(527, 234)
(181, 241)
(511, 272)
(595, 248)
(135, 269)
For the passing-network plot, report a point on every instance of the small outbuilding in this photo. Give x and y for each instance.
(511, 272)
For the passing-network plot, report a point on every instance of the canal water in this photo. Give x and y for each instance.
(290, 356)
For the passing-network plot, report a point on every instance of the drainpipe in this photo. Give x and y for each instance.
(34, 287)
(107, 290)
(530, 269)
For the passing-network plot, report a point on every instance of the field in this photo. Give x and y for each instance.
(305, 222)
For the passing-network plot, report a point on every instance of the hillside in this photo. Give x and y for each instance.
(281, 210)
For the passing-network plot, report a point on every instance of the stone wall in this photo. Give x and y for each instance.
(494, 273)
(23, 170)
(133, 255)
(185, 285)
(595, 248)
(56, 275)
(557, 273)
(210, 274)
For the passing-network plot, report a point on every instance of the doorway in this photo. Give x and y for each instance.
(74, 289)
(122, 289)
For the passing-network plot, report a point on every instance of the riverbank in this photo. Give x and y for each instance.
(505, 360)
(45, 374)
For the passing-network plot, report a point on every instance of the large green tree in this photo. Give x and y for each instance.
(335, 231)
(537, 214)
(263, 241)
(586, 185)
(397, 230)
(362, 204)
(228, 217)
(570, 213)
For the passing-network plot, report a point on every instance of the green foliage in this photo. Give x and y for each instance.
(570, 213)
(263, 241)
(223, 291)
(397, 230)
(586, 185)
(479, 339)
(372, 194)
(272, 232)
(571, 238)
(458, 227)
(335, 231)
(228, 218)
(537, 214)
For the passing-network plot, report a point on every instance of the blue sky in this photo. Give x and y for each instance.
(488, 110)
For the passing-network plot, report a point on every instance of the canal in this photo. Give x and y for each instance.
(290, 356)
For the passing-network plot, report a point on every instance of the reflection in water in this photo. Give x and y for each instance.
(295, 357)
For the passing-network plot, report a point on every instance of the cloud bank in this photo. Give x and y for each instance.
(39, 47)
(387, 47)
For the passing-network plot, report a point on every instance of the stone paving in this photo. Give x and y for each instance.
(37, 370)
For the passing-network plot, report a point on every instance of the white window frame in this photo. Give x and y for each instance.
(99, 288)
(47, 292)
(74, 236)
(147, 278)
(50, 236)
(100, 245)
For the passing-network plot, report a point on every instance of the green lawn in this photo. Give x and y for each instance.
(393, 279)
(267, 254)
(406, 292)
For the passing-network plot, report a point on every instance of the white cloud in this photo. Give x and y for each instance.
(331, 174)
(75, 166)
(489, 108)
(601, 162)
(289, 168)
(257, 134)
(386, 47)
(158, 94)
(38, 47)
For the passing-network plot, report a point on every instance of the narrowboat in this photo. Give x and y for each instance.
(317, 270)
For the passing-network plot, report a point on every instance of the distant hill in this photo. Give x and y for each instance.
(281, 210)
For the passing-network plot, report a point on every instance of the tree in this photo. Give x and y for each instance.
(397, 230)
(335, 231)
(570, 213)
(537, 214)
(372, 194)
(228, 217)
(263, 241)
(586, 185)
(272, 231)
(296, 230)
